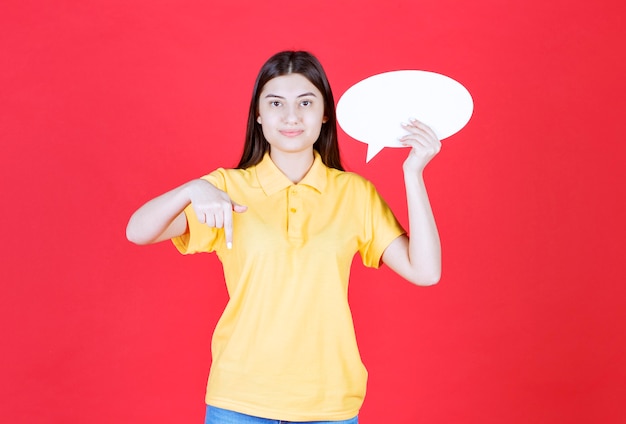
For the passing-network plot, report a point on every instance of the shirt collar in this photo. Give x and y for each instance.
(272, 180)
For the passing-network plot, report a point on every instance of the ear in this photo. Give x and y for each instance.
(324, 119)
(258, 119)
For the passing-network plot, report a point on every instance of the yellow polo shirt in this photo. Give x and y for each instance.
(285, 346)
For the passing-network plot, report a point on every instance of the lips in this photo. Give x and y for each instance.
(291, 133)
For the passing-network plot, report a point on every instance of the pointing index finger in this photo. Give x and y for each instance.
(228, 226)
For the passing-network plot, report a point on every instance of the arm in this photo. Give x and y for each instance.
(418, 258)
(162, 218)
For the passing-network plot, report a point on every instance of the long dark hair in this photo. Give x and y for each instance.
(284, 63)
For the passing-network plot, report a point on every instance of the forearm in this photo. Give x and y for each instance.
(160, 218)
(418, 258)
(424, 248)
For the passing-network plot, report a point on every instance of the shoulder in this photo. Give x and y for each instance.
(350, 180)
(230, 172)
(351, 187)
(222, 177)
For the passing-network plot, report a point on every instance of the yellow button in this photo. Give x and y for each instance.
(292, 210)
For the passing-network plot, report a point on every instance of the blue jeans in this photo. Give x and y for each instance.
(216, 415)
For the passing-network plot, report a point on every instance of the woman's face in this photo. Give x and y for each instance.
(291, 113)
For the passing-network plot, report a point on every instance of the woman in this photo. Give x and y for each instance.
(286, 224)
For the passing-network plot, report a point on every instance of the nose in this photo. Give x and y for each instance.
(291, 115)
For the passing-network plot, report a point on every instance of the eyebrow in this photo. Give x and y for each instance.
(281, 97)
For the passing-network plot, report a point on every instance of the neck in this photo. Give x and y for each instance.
(295, 166)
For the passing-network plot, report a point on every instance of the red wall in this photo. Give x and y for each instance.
(106, 104)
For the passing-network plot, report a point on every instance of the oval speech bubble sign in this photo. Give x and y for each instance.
(372, 110)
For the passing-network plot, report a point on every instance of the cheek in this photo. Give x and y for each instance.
(268, 125)
(264, 118)
(316, 119)
(267, 120)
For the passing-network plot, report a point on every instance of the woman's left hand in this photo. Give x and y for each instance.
(424, 145)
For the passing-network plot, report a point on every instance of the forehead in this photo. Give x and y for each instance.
(289, 85)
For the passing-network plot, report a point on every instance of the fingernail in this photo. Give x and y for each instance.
(229, 245)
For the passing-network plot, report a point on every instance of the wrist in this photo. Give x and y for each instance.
(193, 187)
(412, 173)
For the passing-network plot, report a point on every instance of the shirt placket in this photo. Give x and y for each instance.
(294, 213)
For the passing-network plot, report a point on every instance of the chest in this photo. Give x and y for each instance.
(300, 217)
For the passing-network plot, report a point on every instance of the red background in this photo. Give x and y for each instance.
(105, 104)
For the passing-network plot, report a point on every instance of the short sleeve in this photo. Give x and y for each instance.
(200, 237)
(380, 228)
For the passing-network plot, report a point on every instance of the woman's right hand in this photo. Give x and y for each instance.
(214, 207)
(163, 217)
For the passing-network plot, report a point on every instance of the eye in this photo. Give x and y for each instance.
(306, 103)
(275, 103)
